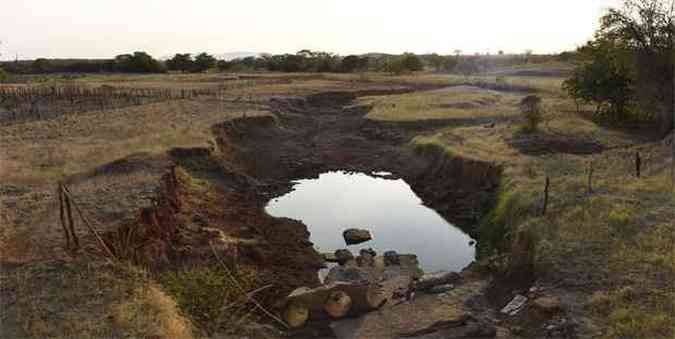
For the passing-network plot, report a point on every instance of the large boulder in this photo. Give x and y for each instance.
(342, 256)
(355, 236)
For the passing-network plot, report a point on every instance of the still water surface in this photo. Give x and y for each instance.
(388, 208)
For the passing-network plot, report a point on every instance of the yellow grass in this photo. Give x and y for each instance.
(622, 231)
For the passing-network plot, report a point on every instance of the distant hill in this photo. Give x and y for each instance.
(236, 55)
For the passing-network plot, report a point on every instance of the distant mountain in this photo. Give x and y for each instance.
(236, 55)
(224, 56)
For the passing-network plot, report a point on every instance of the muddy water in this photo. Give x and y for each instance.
(388, 208)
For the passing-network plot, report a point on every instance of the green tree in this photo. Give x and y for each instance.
(203, 62)
(532, 110)
(412, 62)
(181, 62)
(353, 63)
(41, 65)
(437, 62)
(224, 65)
(603, 78)
(405, 63)
(647, 28)
(139, 62)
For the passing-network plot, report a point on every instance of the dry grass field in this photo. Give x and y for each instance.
(606, 251)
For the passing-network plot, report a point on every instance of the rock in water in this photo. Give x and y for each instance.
(342, 256)
(355, 236)
(346, 274)
(391, 258)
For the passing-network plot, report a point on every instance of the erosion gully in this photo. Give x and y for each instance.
(258, 157)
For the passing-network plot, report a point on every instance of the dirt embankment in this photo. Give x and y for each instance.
(325, 132)
(214, 199)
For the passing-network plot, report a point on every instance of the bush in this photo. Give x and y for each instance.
(532, 111)
(209, 296)
(405, 63)
(494, 230)
(3, 75)
(150, 313)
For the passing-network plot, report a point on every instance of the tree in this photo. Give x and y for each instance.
(647, 27)
(203, 62)
(468, 66)
(224, 65)
(603, 78)
(139, 62)
(353, 63)
(41, 66)
(532, 111)
(411, 62)
(181, 62)
(437, 62)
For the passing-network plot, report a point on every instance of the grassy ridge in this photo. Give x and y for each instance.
(615, 238)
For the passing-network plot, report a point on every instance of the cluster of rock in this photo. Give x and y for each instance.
(362, 283)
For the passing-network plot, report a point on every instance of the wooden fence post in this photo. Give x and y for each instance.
(638, 164)
(548, 183)
(59, 192)
(590, 177)
(69, 213)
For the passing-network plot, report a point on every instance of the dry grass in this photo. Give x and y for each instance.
(87, 300)
(619, 236)
(149, 312)
(456, 103)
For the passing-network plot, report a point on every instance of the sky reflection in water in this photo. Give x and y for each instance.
(388, 208)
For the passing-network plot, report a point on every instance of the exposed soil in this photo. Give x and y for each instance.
(215, 200)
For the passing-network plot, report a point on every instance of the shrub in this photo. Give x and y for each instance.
(151, 313)
(3, 75)
(209, 295)
(532, 111)
(494, 231)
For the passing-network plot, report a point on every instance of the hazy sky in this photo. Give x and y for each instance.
(104, 28)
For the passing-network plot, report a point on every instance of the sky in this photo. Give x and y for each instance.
(105, 28)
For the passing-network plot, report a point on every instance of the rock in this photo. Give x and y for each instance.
(440, 289)
(329, 257)
(517, 330)
(391, 258)
(342, 256)
(548, 305)
(368, 251)
(346, 274)
(431, 280)
(355, 236)
(515, 305)
(200, 220)
(366, 258)
(480, 330)
(465, 326)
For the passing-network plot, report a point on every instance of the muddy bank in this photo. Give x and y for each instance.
(214, 199)
(308, 136)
